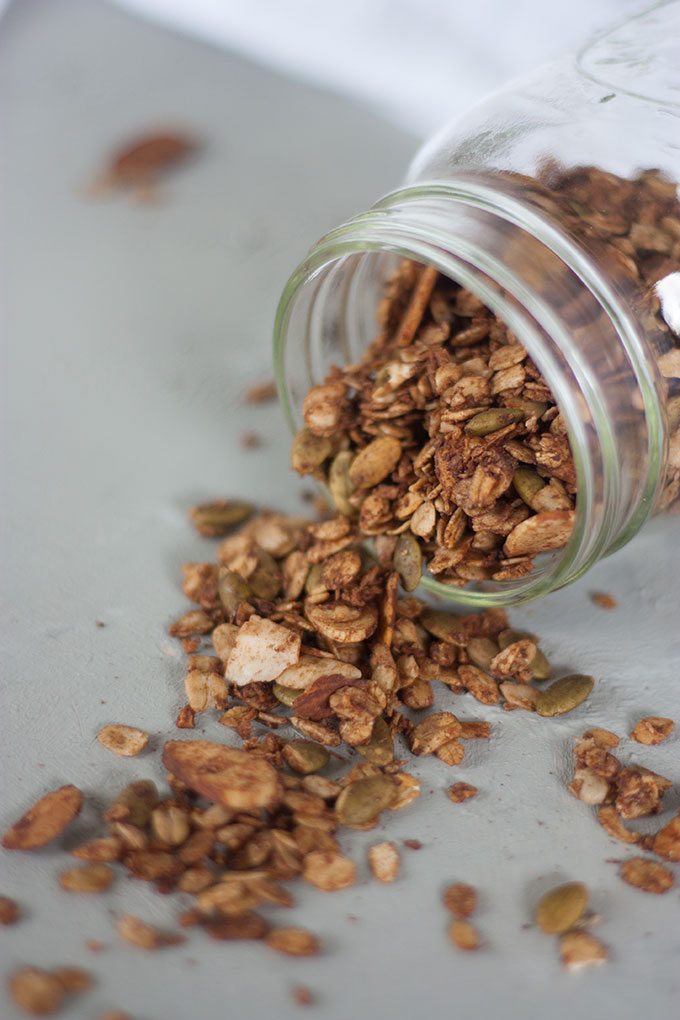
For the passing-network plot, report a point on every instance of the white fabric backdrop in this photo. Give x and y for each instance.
(418, 61)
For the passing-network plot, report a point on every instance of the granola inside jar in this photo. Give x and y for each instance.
(484, 369)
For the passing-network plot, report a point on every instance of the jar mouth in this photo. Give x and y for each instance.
(395, 226)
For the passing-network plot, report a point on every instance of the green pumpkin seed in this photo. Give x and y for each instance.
(561, 907)
(305, 756)
(340, 484)
(527, 483)
(486, 422)
(363, 800)
(232, 589)
(529, 408)
(407, 560)
(380, 748)
(212, 520)
(539, 665)
(565, 694)
(286, 695)
(673, 412)
(308, 452)
(444, 626)
(481, 651)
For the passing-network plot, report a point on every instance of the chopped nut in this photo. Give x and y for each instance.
(464, 935)
(329, 870)
(9, 911)
(87, 878)
(36, 991)
(580, 949)
(649, 876)
(384, 860)
(652, 730)
(608, 818)
(228, 776)
(603, 600)
(460, 899)
(293, 942)
(262, 652)
(667, 840)
(46, 820)
(260, 393)
(126, 741)
(460, 792)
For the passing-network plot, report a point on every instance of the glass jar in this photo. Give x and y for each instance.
(555, 203)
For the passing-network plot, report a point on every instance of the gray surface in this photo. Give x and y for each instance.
(129, 333)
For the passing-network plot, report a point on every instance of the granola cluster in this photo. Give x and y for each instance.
(444, 443)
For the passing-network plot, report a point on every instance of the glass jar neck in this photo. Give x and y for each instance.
(581, 334)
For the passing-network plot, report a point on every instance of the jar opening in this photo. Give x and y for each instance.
(330, 307)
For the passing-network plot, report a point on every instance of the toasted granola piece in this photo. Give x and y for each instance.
(46, 820)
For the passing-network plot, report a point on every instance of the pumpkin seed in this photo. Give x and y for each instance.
(495, 418)
(444, 626)
(308, 451)
(340, 484)
(481, 651)
(265, 581)
(286, 695)
(212, 520)
(560, 908)
(530, 408)
(363, 801)
(314, 583)
(375, 462)
(305, 756)
(565, 694)
(232, 589)
(539, 665)
(527, 483)
(408, 561)
(380, 748)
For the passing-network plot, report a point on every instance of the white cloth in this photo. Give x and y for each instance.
(419, 62)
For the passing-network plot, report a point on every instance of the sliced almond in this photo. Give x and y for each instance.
(127, 741)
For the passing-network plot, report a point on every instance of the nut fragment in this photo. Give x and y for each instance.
(460, 792)
(87, 878)
(464, 935)
(460, 899)
(293, 941)
(652, 729)
(126, 741)
(329, 870)
(261, 652)
(36, 991)
(384, 860)
(560, 908)
(46, 820)
(580, 949)
(650, 876)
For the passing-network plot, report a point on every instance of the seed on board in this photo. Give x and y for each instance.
(127, 741)
(464, 935)
(564, 695)
(46, 820)
(560, 908)
(650, 876)
(73, 979)
(384, 860)
(652, 729)
(305, 756)
(87, 878)
(365, 799)
(460, 899)
(144, 935)
(215, 519)
(579, 949)
(603, 600)
(293, 941)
